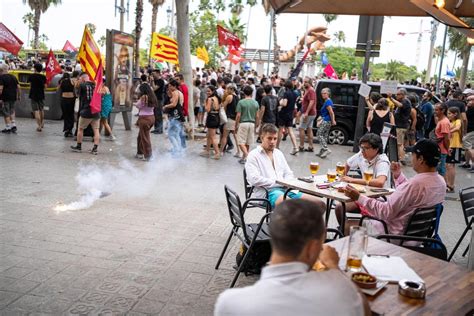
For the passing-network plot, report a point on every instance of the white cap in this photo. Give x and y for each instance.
(468, 91)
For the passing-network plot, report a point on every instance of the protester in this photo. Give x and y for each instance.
(146, 120)
(268, 108)
(455, 147)
(427, 108)
(9, 94)
(86, 117)
(442, 135)
(158, 85)
(402, 120)
(456, 101)
(174, 110)
(289, 285)
(229, 104)
(379, 116)
(372, 100)
(425, 189)
(308, 114)
(266, 164)
(38, 84)
(286, 111)
(185, 105)
(196, 99)
(212, 123)
(106, 108)
(68, 99)
(328, 120)
(246, 117)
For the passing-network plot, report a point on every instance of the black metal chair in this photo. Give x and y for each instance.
(467, 202)
(251, 233)
(428, 246)
(423, 222)
(336, 234)
(248, 189)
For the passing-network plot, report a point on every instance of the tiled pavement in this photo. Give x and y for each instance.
(148, 248)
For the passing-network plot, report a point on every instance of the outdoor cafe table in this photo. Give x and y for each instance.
(449, 287)
(330, 194)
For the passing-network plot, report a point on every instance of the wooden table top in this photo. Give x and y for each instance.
(449, 287)
(333, 194)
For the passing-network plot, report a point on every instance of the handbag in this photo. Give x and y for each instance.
(222, 116)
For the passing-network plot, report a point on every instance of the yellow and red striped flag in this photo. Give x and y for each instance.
(164, 48)
(89, 54)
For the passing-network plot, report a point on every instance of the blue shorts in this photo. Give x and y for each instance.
(442, 165)
(275, 193)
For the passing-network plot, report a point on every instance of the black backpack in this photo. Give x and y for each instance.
(257, 258)
(420, 119)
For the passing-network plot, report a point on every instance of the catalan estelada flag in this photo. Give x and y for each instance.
(164, 48)
(201, 53)
(89, 54)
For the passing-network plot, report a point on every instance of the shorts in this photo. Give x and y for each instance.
(7, 108)
(309, 122)
(285, 122)
(246, 134)
(230, 125)
(468, 141)
(84, 122)
(442, 165)
(37, 105)
(197, 110)
(411, 136)
(401, 133)
(275, 193)
(454, 156)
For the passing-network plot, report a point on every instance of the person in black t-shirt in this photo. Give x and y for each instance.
(38, 84)
(402, 120)
(286, 111)
(158, 85)
(455, 101)
(9, 94)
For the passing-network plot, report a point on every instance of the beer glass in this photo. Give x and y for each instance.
(368, 175)
(313, 168)
(340, 167)
(331, 174)
(357, 248)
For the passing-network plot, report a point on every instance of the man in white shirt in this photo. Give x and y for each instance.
(288, 285)
(266, 164)
(369, 158)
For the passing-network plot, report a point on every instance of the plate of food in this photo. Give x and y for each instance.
(364, 280)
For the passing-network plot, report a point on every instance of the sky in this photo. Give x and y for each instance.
(66, 22)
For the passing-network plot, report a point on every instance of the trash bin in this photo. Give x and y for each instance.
(52, 101)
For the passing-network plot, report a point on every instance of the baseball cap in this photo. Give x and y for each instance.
(468, 91)
(426, 148)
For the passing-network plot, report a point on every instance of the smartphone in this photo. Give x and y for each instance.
(306, 179)
(379, 190)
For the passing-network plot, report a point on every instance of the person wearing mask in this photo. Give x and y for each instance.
(328, 120)
(38, 84)
(146, 119)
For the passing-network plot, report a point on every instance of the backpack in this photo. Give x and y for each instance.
(257, 258)
(420, 119)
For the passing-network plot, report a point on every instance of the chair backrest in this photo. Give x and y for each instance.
(247, 187)
(423, 222)
(467, 201)
(236, 211)
(428, 246)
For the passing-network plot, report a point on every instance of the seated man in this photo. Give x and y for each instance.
(266, 164)
(288, 285)
(370, 157)
(425, 189)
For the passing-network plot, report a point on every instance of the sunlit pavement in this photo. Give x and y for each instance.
(149, 245)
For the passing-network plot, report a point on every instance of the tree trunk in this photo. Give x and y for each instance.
(36, 25)
(154, 13)
(465, 62)
(138, 33)
(276, 48)
(184, 51)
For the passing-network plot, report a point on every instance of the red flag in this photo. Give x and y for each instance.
(96, 102)
(69, 48)
(235, 59)
(227, 38)
(52, 67)
(9, 41)
(330, 72)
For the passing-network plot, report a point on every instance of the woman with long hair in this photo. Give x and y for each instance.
(146, 119)
(212, 122)
(174, 110)
(229, 104)
(378, 116)
(68, 98)
(455, 146)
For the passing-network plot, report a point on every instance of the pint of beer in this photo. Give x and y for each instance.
(357, 248)
(340, 169)
(313, 167)
(331, 175)
(368, 175)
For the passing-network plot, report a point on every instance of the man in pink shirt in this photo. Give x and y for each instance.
(442, 135)
(308, 114)
(427, 188)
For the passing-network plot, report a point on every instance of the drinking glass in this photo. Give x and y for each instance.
(331, 174)
(357, 248)
(340, 167)
(313, 168)
(368, 175)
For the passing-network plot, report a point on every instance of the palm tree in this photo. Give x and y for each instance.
(29, 20)
(393, 70)
(92, 28)
(276, 48)
(154, 12)
(340, 36)
(39, 7)
(458, 43)
(138, 33)
(236, 26)
(329, 18)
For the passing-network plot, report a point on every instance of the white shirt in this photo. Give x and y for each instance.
(293, 289)
(380, 165)
(261, 173)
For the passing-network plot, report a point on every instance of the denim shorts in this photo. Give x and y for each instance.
(308, 124)
(442, 165)
(275, 193)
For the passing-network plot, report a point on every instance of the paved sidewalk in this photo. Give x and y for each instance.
(149, 247)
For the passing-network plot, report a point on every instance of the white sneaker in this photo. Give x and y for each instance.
(111, 138)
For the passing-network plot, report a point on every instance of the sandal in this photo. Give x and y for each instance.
(204, 154)
(301, 149)
(449, 189)
(309, 149)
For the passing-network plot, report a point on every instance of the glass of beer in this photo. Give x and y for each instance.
(313, 168)
(340, 167)
(331, 174)
(357, 248)
(368, 175)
